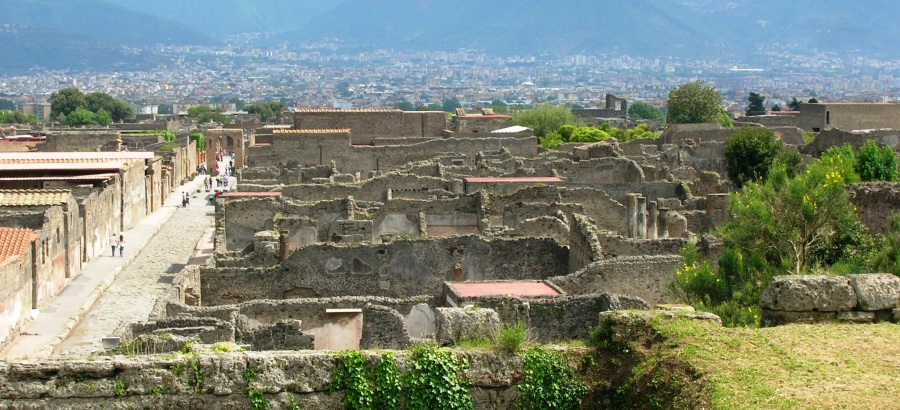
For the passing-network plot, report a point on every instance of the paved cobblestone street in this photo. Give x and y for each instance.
(132, 296)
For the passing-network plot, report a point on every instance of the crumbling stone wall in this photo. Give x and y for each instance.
(874, 203)
(15, 295)
(208, 381)
(584, 248)
(613, 246)
(559, 318)
(864, 298)
(395, 269)
(856, 139)
(646, 277)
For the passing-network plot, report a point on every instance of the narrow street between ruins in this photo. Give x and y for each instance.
(185, 239)
(132, 296)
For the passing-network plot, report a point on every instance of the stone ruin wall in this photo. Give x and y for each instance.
(646, 277)
(170, 381)
(874, 203)
(395, 269)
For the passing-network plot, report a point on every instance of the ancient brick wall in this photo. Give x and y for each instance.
(134, 194)
(102, 217)
(584, 248)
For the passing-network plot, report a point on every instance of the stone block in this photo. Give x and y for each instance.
(453, 324)
(780, 317)
(856, 317)
(876, 291)
(808, 293)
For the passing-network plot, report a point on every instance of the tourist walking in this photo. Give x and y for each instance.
(113, 242)
(121, 245)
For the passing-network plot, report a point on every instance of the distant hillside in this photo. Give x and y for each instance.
(227, 17)
(82, 34)
(26, 48)
(637, 27)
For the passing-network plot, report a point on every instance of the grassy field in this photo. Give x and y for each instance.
(832, 366)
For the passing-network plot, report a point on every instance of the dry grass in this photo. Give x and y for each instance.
(831, 366)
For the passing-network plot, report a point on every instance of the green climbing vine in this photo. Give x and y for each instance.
(549, 382)
(435, 379)
(257, 401)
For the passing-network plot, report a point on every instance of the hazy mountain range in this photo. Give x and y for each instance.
(96, 33)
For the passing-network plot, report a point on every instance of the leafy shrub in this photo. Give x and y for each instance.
(549, 382)
(436, 380)
(876, 163)
(750, 153)
(510, 338)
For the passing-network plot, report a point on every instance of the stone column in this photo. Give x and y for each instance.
(631, 215)
(716, 210)
(652, 215)
(663, 221)
(642, 218)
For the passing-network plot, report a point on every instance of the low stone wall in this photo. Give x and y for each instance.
(874, 202)
(215, 381)
(862, 298)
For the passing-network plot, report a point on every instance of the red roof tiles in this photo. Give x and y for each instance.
(15, 242)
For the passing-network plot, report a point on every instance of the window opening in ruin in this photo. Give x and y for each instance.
(827, 117)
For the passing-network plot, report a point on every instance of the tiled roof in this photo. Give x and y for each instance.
(336, 110)
(15, 242)
(63, 157)
(314, 131)
(90, 177)
(33, 197)
(501, 288)
(91, 166)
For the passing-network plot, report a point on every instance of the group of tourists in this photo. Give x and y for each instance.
(115, 242)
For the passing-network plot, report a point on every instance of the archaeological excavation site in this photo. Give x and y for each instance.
(411, 241)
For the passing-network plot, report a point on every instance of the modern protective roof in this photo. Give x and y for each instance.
(15, 242)
(249, 194)
(502, 288)
(88, 166)
(515, 180)
(90, 177)
(33, 197)
(73, 156)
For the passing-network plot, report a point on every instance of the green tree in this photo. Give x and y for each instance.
(451, 105)
(406, 106)
(80, 116)
(694, 102)
(874, 163)
(266, 111)
(7, 105)
(789, 220)
(201, 140)
(588, 134)
(343, 88)
(15, 117)
(66, 101)
(119, 110)
(813, 101)
(643, 111)
(103, 117)
(238, 103)
(499, 107)
(204, 114)
(545, 119)
(757, 104)
(750, 153)
(776, 107)
(794, 105)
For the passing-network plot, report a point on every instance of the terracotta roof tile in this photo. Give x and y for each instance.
(15, 242)
(33, 197)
